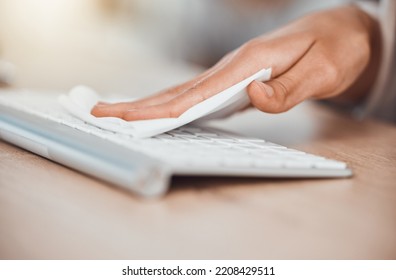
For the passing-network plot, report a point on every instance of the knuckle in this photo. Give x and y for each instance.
(252, 54)
(282, 85)
(174, 111)
(128, 116)
(251, 47)
(329, 72)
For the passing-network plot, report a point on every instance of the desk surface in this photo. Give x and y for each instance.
(49, 211)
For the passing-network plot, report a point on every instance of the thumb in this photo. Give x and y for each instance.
(307, 78)
(273, 96)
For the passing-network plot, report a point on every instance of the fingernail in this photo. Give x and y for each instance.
(267, 89)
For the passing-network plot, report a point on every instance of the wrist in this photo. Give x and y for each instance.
(370, 30)
(367, 13)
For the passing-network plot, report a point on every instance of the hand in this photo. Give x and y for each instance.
(318, 56)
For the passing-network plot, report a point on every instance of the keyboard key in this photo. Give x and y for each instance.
(191, 129)
(224, 140)
(197, 139)
(164, 136)
(178, 133)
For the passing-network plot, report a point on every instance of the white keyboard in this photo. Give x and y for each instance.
(193, 150)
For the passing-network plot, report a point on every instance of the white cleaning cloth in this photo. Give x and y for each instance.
(80, 101)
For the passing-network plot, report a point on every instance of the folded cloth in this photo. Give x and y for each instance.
(80, 101)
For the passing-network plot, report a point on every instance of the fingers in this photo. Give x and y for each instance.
(181, 103)
(312, 76)
(217, 81)
(120, 109)
(281, 55)
(271, 97)
(241, 65)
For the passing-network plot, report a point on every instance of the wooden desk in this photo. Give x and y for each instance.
(51, 212)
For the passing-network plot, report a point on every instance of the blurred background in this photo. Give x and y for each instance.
(126, 45)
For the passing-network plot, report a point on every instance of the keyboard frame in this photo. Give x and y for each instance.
(87, 153)
(121, 166)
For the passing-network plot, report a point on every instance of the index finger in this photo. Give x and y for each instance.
(119, 109)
